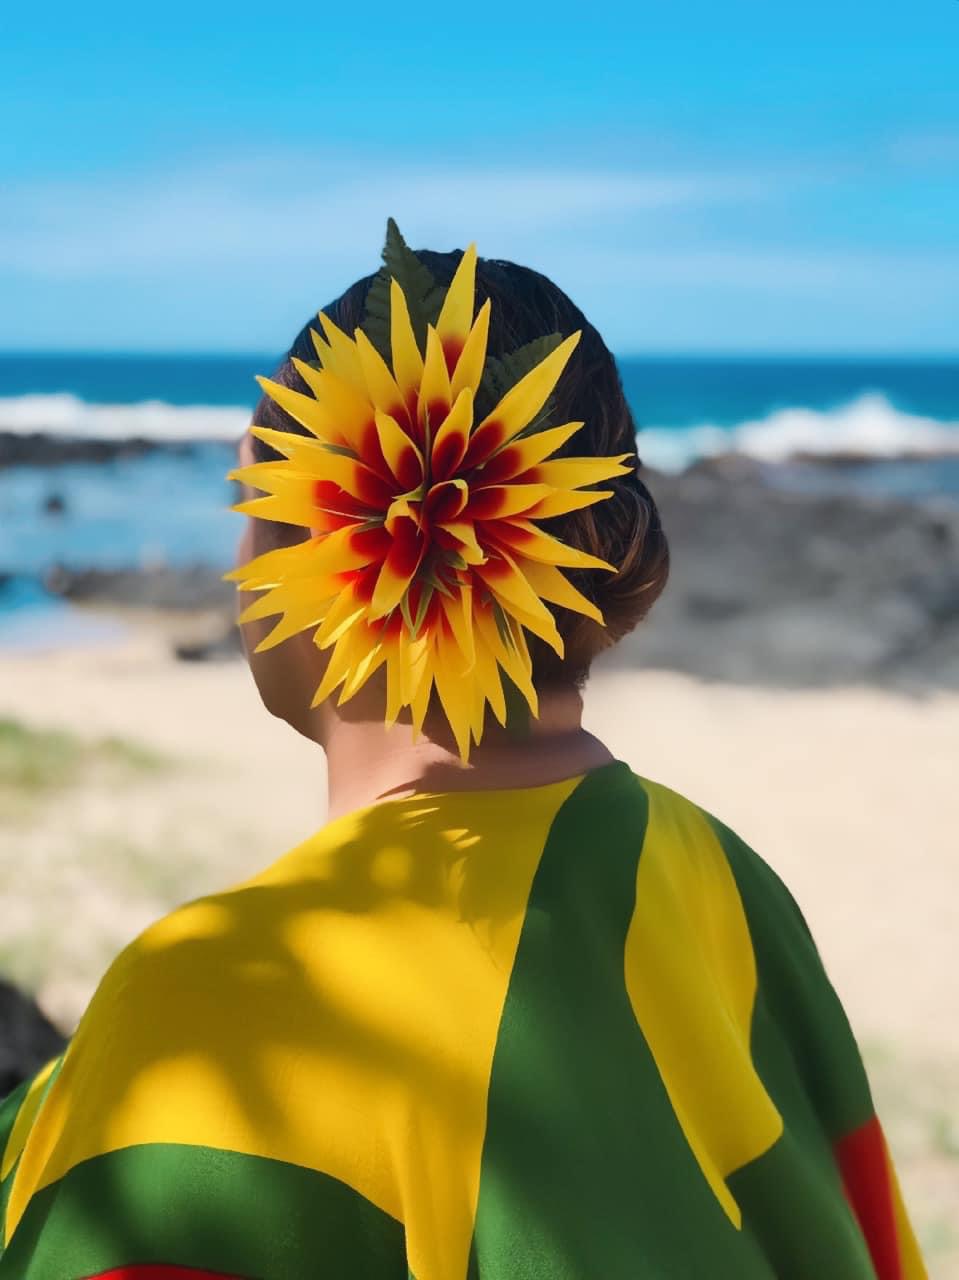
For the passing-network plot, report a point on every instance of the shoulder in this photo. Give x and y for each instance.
(767, 901)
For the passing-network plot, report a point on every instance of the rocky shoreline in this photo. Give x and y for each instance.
(769, 585)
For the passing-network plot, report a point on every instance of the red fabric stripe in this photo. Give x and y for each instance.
(160, 1271)
(862, 1162)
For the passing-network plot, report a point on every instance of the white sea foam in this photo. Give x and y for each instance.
(869, 426)
(69, 416)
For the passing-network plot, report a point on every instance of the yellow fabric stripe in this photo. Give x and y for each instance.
(340, 1011)
(25, 1118)
(913, 1267)
(691, 978)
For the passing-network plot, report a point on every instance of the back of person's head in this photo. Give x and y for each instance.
(624, 530)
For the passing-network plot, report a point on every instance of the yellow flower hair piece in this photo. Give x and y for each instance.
(424, 555)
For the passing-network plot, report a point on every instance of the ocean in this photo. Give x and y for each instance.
(898, 417)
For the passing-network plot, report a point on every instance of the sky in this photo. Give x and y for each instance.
(699, 177)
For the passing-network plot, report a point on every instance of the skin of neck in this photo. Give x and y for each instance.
(366, 762)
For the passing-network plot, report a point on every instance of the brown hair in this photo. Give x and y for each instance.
(625, 529)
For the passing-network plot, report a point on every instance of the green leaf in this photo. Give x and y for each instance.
(425, 596)
(518, 717)
(502, 626)
(424, 297)
(503, 372)
(343, 450)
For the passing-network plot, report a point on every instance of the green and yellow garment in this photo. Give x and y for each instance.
(572, 1032)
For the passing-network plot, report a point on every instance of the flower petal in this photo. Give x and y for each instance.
(337, 353)
(469, 367)
(560, 502)
(407, 358)
(529, 540)
(452, 438)
(551, 584)
(500, 500)
(401, 563)
(520, 405)
(507, 584)
(380, 383)
(573, 473)
(402, 456)
(456, 314)
(455, 693)
(435, 400)
(525, 453)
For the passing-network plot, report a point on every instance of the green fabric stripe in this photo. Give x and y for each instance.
(798, 994)
(586, 1172)
(808, 1061)
(194, 1206)
(8, 1115)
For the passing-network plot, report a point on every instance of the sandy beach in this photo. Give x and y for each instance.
(848, 792)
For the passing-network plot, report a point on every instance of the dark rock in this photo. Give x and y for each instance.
(38, 449)
(227, 645)
(54, 504)
(775, 586)
(195, 587)
(27, 1038)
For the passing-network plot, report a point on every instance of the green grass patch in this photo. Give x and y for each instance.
(34, 761)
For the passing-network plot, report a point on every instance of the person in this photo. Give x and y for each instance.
(514, 1011)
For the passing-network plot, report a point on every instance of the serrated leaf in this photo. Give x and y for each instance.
(503, 372)
(424, 297)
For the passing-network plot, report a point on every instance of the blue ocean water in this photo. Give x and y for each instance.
(172, 507)
(673, 392)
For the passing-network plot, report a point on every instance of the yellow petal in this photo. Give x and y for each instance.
(560, 502)
(435, 400)
(496, 502)
(515, 595)
(281, 508)
(520, 405)
(401, 563)
(573, 473)
(407, 358)
(455, 693)
(305, 410)
(293, 447)
(345, 655)
(524, 453)
(380, 383)
(528, 540)
(456, 314)
(342, 613)
(338, 354)
(348, 411)
(419, 703)
(464, 532)
(275, 566)
(452, 438)
(371, 662)
(469, 367)
(551, 584)
(458, 609)
(402, 456)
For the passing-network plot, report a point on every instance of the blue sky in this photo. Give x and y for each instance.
(699, 177)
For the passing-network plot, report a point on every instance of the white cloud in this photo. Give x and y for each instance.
(300, 212)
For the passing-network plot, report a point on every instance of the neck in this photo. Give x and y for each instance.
(366, 762)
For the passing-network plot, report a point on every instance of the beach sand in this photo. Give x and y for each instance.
(849, 793)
